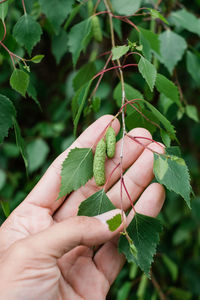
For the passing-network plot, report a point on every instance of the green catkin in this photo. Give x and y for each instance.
(90, 7)
(110, 142)
(96, 29)
(99, 163)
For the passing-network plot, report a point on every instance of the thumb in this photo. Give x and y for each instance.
(80, 230)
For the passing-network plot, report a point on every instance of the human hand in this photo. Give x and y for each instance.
(46, 250)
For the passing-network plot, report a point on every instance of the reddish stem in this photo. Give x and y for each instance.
(144, 146)
(100, 78)
(131, 23)
(122, 18)
(116, 71)
(104, 53)
(131, 202)
(2, 1)
(148, 139)
(24, 7)
(129, 102)
(9, 52)
(110, 175)
(130, 53)
(4, 26)
(116, 67)
(150, 121)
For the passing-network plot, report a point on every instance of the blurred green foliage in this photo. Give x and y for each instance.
(49, 131)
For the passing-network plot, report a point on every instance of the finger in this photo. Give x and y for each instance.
(64, 236)
(132, 151)
(150, 202)
(46, 191)
(108, 260)
(137, 178)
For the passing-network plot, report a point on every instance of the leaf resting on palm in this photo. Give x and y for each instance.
(76, 170)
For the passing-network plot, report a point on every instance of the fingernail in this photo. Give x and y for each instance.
(112, 219)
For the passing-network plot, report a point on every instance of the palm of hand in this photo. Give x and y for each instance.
(73, 275)
(78, 274)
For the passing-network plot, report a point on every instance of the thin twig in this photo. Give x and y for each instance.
(113, 68)
(96, 5)
(110, 175)
(129, 197)
(2, 1)
(141, 144)
(24, 7)
(4, 26)
(99, 80)
(158, 287)
(122, 103)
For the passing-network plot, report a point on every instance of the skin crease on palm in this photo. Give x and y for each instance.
(47, 251)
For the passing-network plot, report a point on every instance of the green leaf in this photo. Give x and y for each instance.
(144, 233)
(96, 104)
(3, 10)
(175, 175)
(76, 170)
(148, 71)
(179, 294)
(119, 51)
(174, 150)
(171, 266)
(186, 20)
(142, 287)
(37, 58)
(130, 92)
(37, 152)
(124, 290)
(135, 119)
(82, 95)
(95, 205)
(56, 13)
(125, 7)
(172, 48)
(166, 124)
(193, 66)
(168, 88)
(2, 178)
(192, 112)
(79, 36)
(117, 24)
(84, 74)
(10, 149)
(165, 138)
(19, 81)
(156, 15)
(27, 32)
(7, 112)
(160, 167)
(115, 222)
(150, 42)
(32, 93)
(20, 143)
(72, 15)
(59, 45)
(6, 208)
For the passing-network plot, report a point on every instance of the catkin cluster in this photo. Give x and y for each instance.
(103, 148)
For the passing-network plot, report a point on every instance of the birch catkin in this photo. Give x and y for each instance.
(99, 163)
(110, 142)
